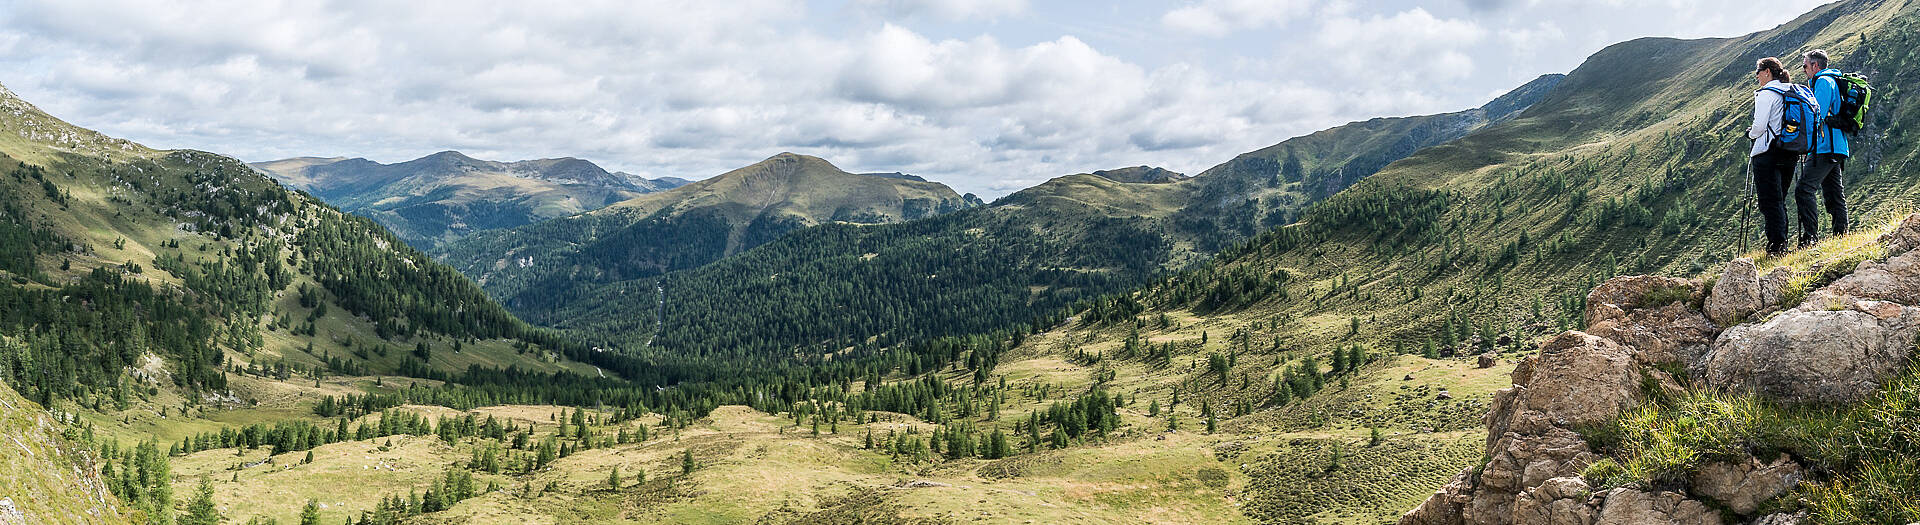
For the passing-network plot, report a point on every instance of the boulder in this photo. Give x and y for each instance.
(1562, 500)
(1673, 333)
(1743, 486)
(1812, 355)
(1897, 279)
(1736, 295)
(1773, 288)
(1621, 294)
(1625, 506)
(1576, 378)
(1487, 361)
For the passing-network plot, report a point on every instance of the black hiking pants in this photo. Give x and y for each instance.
(1772, 173)
(1821, 174)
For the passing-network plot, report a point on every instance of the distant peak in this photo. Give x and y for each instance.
(1141, 174)
(788, 156)
(449, 154)
(897, 175)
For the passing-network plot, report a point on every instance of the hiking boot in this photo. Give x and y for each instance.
(1776, 249)
(1807, 242)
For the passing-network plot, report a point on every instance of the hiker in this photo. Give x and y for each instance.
(1829, 155)
(1772, 165)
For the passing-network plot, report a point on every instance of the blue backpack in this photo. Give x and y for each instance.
(1800, 118)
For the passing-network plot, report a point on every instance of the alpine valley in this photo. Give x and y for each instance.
(1539, 310)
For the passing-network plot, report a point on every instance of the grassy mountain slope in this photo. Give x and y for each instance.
(128, 265)
(1027, 254)
(1270, 186)
(448, 195)
(1633, 164)
(44, 476)
(690, 225)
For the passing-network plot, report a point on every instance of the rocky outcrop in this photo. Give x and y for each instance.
(1837, 344)
(1662, 333)
(1576, 379)
(1671, 334)
(1736, 294)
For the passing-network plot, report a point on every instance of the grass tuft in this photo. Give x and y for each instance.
(1865, 459)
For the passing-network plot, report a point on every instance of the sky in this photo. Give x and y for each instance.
(988, 96)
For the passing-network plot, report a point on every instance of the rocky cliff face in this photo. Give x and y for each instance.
(1746, 332)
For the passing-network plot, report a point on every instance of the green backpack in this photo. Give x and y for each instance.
(1856, 95)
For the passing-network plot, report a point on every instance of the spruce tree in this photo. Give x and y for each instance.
(201, 510)
(310, 514)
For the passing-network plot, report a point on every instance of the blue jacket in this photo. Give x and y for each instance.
(1827, 92)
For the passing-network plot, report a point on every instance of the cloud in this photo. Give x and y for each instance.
(1217, 18)
(691, 88)
(947, 9)
(1406, 46)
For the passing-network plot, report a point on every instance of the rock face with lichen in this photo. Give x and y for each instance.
(1834, 345)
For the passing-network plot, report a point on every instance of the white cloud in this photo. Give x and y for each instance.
(1220, 17)
(1412, 45)
(691, 88)
(948, 9)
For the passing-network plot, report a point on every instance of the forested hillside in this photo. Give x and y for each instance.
(128, 266)
(1632, 164)
(448, 195)
(826, 289)
(687, 227)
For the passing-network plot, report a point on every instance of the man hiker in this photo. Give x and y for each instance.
(1772, 165)
(1828, 157)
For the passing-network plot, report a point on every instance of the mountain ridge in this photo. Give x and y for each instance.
(692, 225)
(446, 195)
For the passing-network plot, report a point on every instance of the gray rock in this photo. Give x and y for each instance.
(1673, 333)
(1897, 280)
(1743, 486)
(1633, 507)
(1814, 356)
(1782, 518)
(1773, 288)
(1560, 500)
(1736, 295)
(1627, 293)
(1575, 379)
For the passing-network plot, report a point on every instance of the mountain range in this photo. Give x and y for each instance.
(1069, 239)
(1311, 332)
(692, 225)
(448, 195)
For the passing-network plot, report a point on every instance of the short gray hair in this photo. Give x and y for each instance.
(1818, 57)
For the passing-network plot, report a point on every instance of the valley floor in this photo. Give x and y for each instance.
(1315, 460)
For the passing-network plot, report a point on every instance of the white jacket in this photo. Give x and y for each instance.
(1767, 107)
